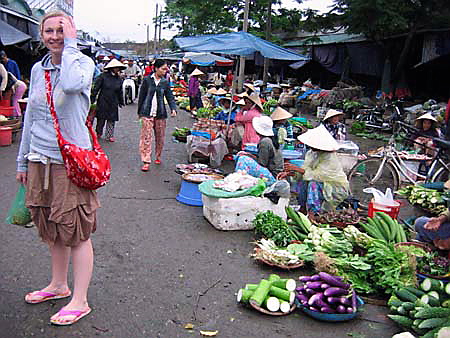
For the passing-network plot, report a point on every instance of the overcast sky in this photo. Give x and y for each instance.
(118, 21)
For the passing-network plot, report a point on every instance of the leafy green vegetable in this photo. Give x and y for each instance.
(275, 228)
(302, 251)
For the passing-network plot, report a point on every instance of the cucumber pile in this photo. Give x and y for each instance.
(424, 310)
(383, 227)
(274, 294)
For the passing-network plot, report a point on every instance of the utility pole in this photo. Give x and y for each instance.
(155, 47)
(268, 32)
(159, 33)
(242, 58)
(147, 45)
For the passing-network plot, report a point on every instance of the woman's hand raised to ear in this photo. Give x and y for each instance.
(70, 32)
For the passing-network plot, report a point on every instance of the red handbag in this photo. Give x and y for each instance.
(89, 169)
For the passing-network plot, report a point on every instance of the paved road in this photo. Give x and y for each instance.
(153, 258)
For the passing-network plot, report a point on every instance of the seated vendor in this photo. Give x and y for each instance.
(252, 108)
(332, 122)
(281, 127)
(427, 129)
(324, 184)
(227, 111)
(435, 230)
(268, 162)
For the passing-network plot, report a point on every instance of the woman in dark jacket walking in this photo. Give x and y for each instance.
(108, 87)
(153, 114)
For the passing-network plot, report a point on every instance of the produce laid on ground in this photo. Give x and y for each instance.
(208, 112)
(358, 127)
(429, 199)
(274, 294)
(339, 218)
(385, 228)
(326, 294)
(299, 124)
(293, 256)
(424, 310)
(183, 102)
(181, 133)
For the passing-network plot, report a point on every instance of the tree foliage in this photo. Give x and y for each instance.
(219, 16)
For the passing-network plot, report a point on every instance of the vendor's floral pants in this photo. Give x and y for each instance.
(310, 195)
(254, 169)
(151, 125)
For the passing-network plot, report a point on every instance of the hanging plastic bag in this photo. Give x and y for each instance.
(18, 213)
(382, 198)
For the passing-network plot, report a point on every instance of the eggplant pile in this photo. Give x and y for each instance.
(326, 293)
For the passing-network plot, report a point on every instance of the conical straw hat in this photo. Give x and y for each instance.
(331, 113)
(243, 94)
(280, 114)
(427, 116)
(105, 58)
(256, 100)
(197, 72)
(115, 64)
(249, 86)
(221, 91)
(241, 102)
(319, 138)
(212, 91)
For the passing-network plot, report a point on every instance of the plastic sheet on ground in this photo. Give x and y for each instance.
(207, 188)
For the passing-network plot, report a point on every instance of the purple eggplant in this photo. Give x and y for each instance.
(313, 308)
(314, 285)
(315, 278)
(310, 292)
(345, 301)
(350, 310)
(304, 279)
(302, 298)
(300, 289)
(354, 300)
(332, 280)
(326, 309)
(315, 298)
(334, 300)
(335, 292)
(341, 309)
(324, 286)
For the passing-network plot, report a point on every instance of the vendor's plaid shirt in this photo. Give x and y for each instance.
(338, 131)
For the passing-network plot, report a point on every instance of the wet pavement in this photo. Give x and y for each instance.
(158, 264)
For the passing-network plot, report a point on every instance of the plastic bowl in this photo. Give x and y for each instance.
(331, 317)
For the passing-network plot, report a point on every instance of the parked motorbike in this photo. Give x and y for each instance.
(374, 117)
(129, 89)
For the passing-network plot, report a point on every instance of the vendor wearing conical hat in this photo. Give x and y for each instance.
(281, 127)
(332, 121)
(427, 128)
(195, 97)
(324, 184)
(228, 112)
(253, 108)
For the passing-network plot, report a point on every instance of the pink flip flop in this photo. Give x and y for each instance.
(76, 313)
(43, 296)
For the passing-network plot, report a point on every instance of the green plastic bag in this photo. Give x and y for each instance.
(18, 213)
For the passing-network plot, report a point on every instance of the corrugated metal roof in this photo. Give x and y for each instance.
(326, 40)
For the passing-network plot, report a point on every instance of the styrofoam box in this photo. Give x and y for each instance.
(238, 213)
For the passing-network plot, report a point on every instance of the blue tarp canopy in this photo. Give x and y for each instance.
(237, 43)
(206, 59)
(10, 35)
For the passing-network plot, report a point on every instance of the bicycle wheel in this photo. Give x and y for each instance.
(442, 174)
(362, 176)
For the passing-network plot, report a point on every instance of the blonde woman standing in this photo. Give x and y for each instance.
(64, 214)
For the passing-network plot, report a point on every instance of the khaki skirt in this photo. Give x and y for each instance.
(60, 209)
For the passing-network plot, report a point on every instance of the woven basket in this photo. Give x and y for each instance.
(280, 266)
(270, 313)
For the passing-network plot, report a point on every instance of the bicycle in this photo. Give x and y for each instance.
(386, 170)
(374, 119)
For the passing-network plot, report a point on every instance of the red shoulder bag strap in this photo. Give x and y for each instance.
(61, 140)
